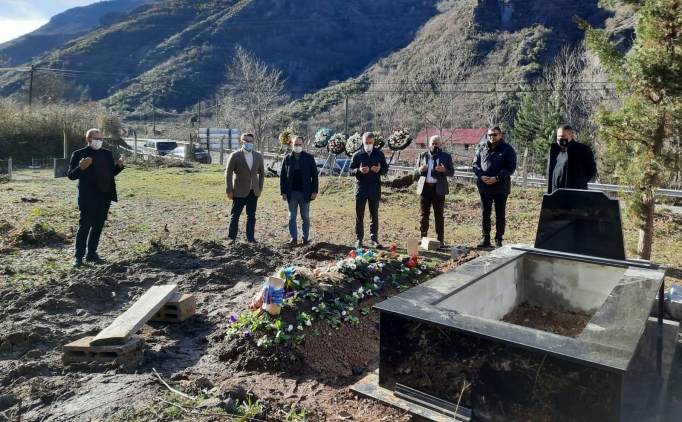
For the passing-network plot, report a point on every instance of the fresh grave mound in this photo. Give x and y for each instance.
(568, 323)
(326, 324)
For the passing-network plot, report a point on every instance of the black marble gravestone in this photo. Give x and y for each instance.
(581, 222)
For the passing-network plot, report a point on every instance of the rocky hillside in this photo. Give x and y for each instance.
(173, 54)
(62, 28)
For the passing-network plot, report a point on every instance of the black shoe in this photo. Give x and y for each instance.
(306, 242)
(424, 234)
(442, 244)
(485, 242)
(358, 244)
(78, 262)
(498, 243)
(292, 242)
(252, 241)
(377, 245)
(93, 257)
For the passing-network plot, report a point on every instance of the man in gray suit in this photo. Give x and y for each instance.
(244, 178)
(433, 168)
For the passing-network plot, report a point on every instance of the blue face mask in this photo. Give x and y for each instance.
(248, 146)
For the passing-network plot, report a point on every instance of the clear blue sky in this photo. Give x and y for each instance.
(18, 17)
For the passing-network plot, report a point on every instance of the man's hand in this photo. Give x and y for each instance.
(313, 196)
(440, 168)
(490, 180)
(121, 161)
(230, 196)
(284, 197)
(425, 168)
(376, 169)
(364, 170)
(85, 163)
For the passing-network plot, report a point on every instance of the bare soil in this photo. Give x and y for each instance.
(195, 355)
(566, 323)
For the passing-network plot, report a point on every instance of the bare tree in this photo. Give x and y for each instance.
(254, 92)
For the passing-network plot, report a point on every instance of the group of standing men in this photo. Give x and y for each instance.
(570, 166)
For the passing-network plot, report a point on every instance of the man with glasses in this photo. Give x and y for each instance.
(433, 168)
(244, 179)
(298, 184)
(570, 164)
(494, 163)
(95, 169)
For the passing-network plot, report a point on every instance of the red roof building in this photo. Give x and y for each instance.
(452, 136)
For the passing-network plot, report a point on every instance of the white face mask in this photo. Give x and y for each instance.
(368, 147)
(96, 144)
(298, 150)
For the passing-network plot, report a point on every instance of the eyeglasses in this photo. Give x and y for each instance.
(492, 135)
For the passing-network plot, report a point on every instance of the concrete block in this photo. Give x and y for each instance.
(430, 244)
(457, 251)
(178, 308)
(80, 351)
(673, 304)
(123, 327)
(413, 247)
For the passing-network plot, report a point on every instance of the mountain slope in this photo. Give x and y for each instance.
(174, 53)
(63, 27)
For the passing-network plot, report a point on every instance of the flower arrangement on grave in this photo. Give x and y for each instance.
(285, 136)
(399, 139)
(337, 143)
(322, 137)
(295, 278)
(379, 140)
(354, 143)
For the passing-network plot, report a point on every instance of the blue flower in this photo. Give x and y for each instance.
(247, 334)
(288, 272)
(233, 319)
(290, 294)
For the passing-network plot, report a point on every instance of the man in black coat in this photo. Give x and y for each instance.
(570, 164)
(494, 163)
(368, 165)
(298, 184)
(433, 167)
(94, 168)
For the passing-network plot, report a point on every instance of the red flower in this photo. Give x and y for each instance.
(393, 248)
(411, 263)
(353, 254)
(415, 258)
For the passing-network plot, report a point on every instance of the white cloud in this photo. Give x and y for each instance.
(10, 29)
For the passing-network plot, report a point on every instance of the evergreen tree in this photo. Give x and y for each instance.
(641, 134)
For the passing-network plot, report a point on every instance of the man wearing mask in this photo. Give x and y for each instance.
(433, 168)
(570, 164)
(95, 169)
(244, 178)
(494, 163)
(368, 165)
(298, 186)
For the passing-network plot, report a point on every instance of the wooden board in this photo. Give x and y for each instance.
(123, 327)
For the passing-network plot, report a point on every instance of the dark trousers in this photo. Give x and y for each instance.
(238, 204)
(93, 214)
(500, 201)
(429, 198)
(373, 218)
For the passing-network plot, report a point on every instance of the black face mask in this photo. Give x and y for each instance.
(434, 150)
(563, 142)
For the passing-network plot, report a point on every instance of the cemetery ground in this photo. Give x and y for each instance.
(170, 227)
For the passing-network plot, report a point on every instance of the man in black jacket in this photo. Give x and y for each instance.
(94, 168)
(433, 167)
(298, 184)
(494, 163)
(368, 165)
(570, 164)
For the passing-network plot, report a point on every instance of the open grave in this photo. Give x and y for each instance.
(446, 354)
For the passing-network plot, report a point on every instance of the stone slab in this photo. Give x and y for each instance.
(80, 351)
(430, 244)
(123, 327)
(178, 308)
(369, 387)
(413, 246)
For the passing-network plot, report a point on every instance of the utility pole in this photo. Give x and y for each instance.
(154, 119)
(30, 87)
(346, 119)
